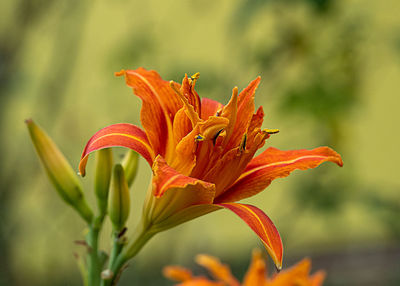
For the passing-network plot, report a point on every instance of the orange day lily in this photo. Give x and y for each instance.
(297, 275)
(201, 154)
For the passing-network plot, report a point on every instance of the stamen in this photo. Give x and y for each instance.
(243, 144)
(199, 138)
(216, 136)
(271, 131)
(191, 113)
(218, 112)
(195, 76)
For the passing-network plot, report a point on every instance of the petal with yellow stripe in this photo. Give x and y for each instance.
(118, 135)
(160, 104)
(262, 225)
(272, 164)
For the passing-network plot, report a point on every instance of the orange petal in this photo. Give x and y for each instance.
(181, 126)
(245, 112)
(317, 279)
(186, 214)
(227, 169)
(122, 135)
(187, 89)
(208, 153)
(177, 273)
(189, 109)
(273, 164)
(219, 271)
(184, 159)
(174, 192)
(166, 178)
(201, 281)
(230, 112)
(160, 104)
(209, 108)
(261, 224)
(212, 126)
(256, 275)
(257, 119)
(298, 274)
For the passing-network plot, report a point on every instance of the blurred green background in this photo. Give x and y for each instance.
(330, 76)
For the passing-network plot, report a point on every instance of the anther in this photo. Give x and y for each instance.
(199, 138)
(216, 136)
(195, 76)
(243, 143)
(271, 131)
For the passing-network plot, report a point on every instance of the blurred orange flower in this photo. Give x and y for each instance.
(297, 275)
(201, 154)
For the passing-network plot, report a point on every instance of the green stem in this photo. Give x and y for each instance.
(116, 248)
(93, 263)
(141, 237)
(84, 210)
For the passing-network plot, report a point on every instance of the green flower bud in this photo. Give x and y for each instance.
(130, 164)
(104, 164)
(119, 202)
(59, 171)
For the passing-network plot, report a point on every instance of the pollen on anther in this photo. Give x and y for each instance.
(199, 138)
(271, 131)
(243, 143)
(216, 136)
(195, 76)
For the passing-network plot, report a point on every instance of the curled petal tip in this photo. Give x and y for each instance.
(262, 225)
(339, 160)
(82, 167)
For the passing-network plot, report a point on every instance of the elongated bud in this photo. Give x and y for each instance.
(60, 172)
(104, 164)
(119, 202)
(130, 164)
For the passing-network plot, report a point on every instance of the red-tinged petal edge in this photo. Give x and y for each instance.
(118, 135)
(273, 164)
(262, 225)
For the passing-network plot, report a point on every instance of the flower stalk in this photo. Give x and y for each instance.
(143, 233)
(93, 261)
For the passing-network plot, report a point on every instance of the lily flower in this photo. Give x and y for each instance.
(256, 275)
(201, 155)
